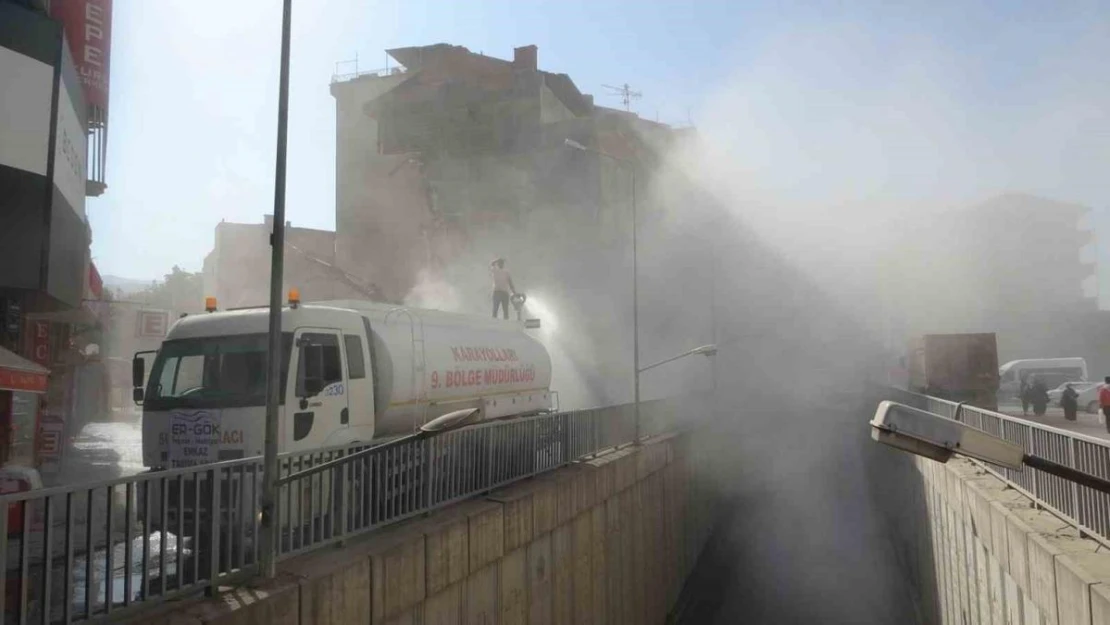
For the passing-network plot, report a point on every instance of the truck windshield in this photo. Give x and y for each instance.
(213, 372)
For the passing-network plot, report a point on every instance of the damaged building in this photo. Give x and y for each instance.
(454, 158)
(453, 143)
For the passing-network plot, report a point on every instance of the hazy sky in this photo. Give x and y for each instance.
(813, 104)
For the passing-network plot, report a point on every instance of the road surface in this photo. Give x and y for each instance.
(103, 450)
(1088, 424)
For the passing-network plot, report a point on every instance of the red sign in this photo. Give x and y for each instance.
(13, 380)
(96, 284)
(153, 324)
(88, 28)
(40, 342)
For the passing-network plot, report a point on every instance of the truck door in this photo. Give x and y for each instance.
(317, 398)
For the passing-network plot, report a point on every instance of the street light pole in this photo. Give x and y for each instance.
(938, 438)
(704, 350)
(268, 527)
(635, 282)
(713, 299)
(635, 315)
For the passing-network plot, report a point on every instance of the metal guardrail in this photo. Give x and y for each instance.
(93, 552)
(1085, 508)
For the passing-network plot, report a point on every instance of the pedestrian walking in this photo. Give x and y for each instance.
(1069, 401)
(502, 286)
(1023, 394)
(1104, 401)
(1038, 396)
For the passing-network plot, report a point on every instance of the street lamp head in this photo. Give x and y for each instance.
(936, 437)
(451, 421)
(571, 143)
(706, 350)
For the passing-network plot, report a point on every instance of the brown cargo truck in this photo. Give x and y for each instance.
(956, 367)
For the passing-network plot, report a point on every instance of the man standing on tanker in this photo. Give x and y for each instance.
(502, 286)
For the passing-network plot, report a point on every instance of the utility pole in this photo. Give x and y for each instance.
(631, 165)
(714, 237)
(635, 309)
(268, 528)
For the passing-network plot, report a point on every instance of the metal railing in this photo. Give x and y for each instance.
(1085, 508)
(381, 72)
(96, 551)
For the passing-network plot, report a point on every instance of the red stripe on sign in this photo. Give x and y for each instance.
(14, 380)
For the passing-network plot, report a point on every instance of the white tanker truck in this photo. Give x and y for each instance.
(352, 371)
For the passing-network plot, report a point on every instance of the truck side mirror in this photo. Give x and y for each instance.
(137, 395)
(138, 369)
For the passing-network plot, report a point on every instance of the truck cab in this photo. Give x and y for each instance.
(205, 398)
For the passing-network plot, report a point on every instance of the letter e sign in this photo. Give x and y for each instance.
(153, 323)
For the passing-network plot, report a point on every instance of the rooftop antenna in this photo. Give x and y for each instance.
(626, 93)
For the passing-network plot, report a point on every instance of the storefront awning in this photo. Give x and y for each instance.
(19, 374)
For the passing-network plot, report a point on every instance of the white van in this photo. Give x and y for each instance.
(1053, 371)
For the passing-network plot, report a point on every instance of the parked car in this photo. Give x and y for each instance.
(1088, 395)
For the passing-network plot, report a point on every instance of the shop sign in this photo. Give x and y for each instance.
(40, 342)
(153, 324)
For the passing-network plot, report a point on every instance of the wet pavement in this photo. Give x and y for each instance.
(103, 450)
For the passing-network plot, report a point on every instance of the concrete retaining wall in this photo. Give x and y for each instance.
(607, 541)
(981, 553)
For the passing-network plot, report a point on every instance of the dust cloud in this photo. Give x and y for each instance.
(790, 367)
(833, 157)
(802, 218)
(851, 151)
(561, 292)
